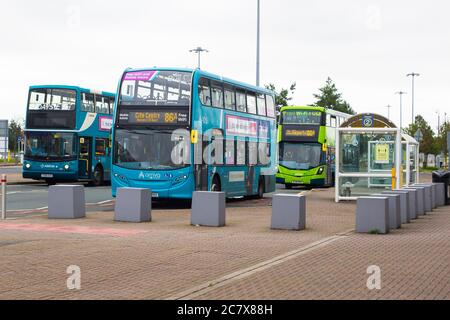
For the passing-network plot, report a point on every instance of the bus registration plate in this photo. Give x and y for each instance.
(46, 175)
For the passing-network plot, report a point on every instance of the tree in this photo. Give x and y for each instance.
(428, 143)
(441, 139)
(14, 132)
(330, 98)
(282, 97)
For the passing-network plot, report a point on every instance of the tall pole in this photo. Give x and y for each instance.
(257, 41)
(401, 93)
(198, 51)
(389, 111)
(412, 75)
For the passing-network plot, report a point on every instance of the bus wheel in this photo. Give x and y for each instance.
(215, 185)
(288, 186)
(97, 179)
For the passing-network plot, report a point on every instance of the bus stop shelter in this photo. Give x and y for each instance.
(373, 155)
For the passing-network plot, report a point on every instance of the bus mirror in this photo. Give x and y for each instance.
(194, 136)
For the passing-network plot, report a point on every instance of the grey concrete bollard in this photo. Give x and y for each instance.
(440, 194)
(404, 204)
(420, 199)
(395, 219)
(413, 203)
(133, 205)
(428, 189)
(433, 191)
(66, 202)
(208, 209)
(288, 212)
(372, 215)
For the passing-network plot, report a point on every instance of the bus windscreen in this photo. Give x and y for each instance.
(156, 88)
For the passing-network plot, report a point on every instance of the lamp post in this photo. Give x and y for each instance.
(198, 51)
(257, 41)
(412, 75)
(400, 93)
(389, 111)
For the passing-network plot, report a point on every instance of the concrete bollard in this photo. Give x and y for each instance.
(208, 209)
(395, 219)
(433, 191)
(288, 212)
(372, 215)
(428, 189)
(420, 199)
(413, 203)
(66, 202)
(440, 194)
(404, 204)
(133, 205)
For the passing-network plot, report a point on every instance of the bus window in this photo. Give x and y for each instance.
(270, 106)
(251, 102)
(229, 152)
(88, 102)
(261, 103)
(240, 101)
(100, 146)
(240, 152)
(217, 94)
(204, 91)
(230, 98)
(111, 105)
(101, 104)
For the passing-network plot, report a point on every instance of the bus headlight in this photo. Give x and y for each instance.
(320, 171)
(28, 166)
(66, 167)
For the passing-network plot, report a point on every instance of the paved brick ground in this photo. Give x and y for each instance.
(414, 262)
(169, 257)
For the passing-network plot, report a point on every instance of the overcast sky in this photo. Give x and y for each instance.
(366, 47)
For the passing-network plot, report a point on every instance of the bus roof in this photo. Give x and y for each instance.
(63, 86)
(322, 109)
(209, 75)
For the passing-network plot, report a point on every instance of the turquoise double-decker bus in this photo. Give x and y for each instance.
(181, 130)
(67, 134)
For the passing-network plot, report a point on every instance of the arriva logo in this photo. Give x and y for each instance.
(149, 176)
(49, 166)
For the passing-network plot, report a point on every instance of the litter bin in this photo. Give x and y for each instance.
(443, 177)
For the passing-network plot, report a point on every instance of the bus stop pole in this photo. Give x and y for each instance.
(3, 181)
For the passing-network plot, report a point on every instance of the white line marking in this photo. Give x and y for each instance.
(194, 292)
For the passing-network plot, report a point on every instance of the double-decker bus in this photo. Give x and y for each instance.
(181, 130)
(67, 134)
(306, 141)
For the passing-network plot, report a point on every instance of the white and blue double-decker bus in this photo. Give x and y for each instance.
(180, 130)
(67, 134)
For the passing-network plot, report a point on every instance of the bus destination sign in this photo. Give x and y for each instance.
(154, 117)
(300, 133)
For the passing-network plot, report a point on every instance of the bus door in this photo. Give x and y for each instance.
(84, 157)
(201, 169)
(251, 162)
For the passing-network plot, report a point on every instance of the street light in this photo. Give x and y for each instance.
(413, 75)
(257, 41)
(389, 109)
(401, 93)
(198, 50)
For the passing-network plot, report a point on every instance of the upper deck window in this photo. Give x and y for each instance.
(261, 101)
(52, 99)
(156, 87)
(251, 102)
(270, 106)
(217, 94)
(87, 103)
(302, 117)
